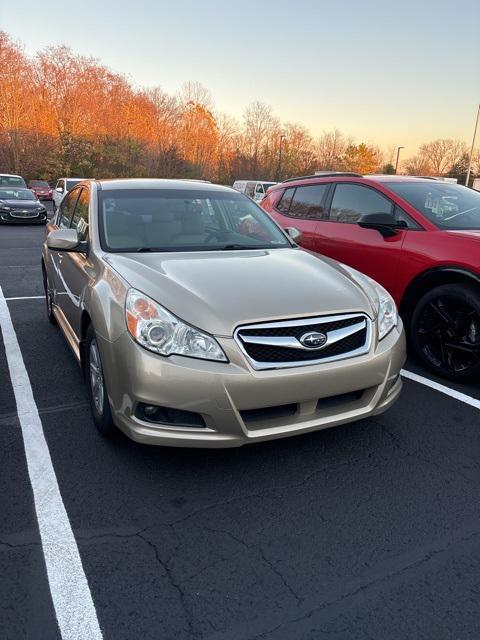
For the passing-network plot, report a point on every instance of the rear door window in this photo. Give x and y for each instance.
(250, 189)
(308, 202)
(283, 205)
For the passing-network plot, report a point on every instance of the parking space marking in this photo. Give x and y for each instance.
(72, 600)
(457, 395)
(26, 298)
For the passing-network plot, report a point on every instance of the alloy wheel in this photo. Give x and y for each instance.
(449, 333)
(96, 377)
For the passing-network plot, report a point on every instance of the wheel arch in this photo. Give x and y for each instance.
(433, 278)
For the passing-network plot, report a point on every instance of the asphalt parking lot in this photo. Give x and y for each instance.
(368, 531)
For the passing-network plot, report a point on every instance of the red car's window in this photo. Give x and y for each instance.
(305, 202)
(351, 201)
(283, 205)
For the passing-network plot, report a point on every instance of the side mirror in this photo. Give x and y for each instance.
(59, 190)
(65, 240)
(384, 223)
(295, 234)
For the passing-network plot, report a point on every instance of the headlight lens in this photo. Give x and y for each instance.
(160, 331)
(382, 301)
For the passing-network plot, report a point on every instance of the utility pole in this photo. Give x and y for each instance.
(129, 123)
(282, 137)
(473, 145)
(398, 155)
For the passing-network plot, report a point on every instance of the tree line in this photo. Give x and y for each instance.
(65, 114)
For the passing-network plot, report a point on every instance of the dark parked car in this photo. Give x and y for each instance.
(41, 189)
(21, 205)
(419, 238)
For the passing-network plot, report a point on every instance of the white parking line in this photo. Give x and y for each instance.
(26, 298)
(74, 608)
(457, 395)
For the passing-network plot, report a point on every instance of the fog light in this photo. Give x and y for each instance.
(149, 410)
(169, 417)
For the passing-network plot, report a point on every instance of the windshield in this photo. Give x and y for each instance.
(38, 183)
(184, 220)
(12, 181)
(16, 194)
(448, 206)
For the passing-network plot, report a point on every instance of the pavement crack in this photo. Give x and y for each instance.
(181, 594)
(279, 574)
(426, 558)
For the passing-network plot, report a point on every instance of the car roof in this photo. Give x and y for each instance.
(384, 177)
(348, 177)
(10, 175)
(160, 183)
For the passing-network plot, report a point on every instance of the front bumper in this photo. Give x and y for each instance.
(39, 218)
(240, 405)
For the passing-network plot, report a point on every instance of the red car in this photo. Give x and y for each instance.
(418, 237)
(41, 189)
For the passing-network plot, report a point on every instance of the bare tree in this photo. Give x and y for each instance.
(298, 155)
(417, 165)
(330, 149)
(260, 127)
(441, 154)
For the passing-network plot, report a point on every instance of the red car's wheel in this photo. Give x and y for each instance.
(445, 331)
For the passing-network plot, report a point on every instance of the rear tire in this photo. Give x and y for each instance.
(97, 389)
(445, 331)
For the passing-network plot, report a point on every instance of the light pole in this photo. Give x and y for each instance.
(398, 155)
(471, 150)
(282, 137)
(129, 140)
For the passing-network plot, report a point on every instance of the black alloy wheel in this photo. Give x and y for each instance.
(445, 331)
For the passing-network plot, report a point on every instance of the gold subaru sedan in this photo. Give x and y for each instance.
(199, 322)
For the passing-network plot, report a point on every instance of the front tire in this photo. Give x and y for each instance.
(445, 331)
(97, 389)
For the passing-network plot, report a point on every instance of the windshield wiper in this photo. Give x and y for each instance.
(228, 247)
(149, 250)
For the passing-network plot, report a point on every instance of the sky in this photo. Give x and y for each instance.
(389, 73)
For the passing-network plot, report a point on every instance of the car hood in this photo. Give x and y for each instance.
(21, 204)
(217, 291)
(472, 234)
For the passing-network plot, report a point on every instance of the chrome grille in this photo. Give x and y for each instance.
(274, 345)
(24, 213)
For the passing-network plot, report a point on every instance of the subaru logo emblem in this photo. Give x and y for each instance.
(313, 340)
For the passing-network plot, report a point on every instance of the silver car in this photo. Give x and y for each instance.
(199, 322)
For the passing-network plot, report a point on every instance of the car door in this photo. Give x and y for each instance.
(259, 192)
(303, 207)
(62, 221)
(74, 268)
(341, 238)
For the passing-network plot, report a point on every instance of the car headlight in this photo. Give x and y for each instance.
(382, 302)
(160, 331)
